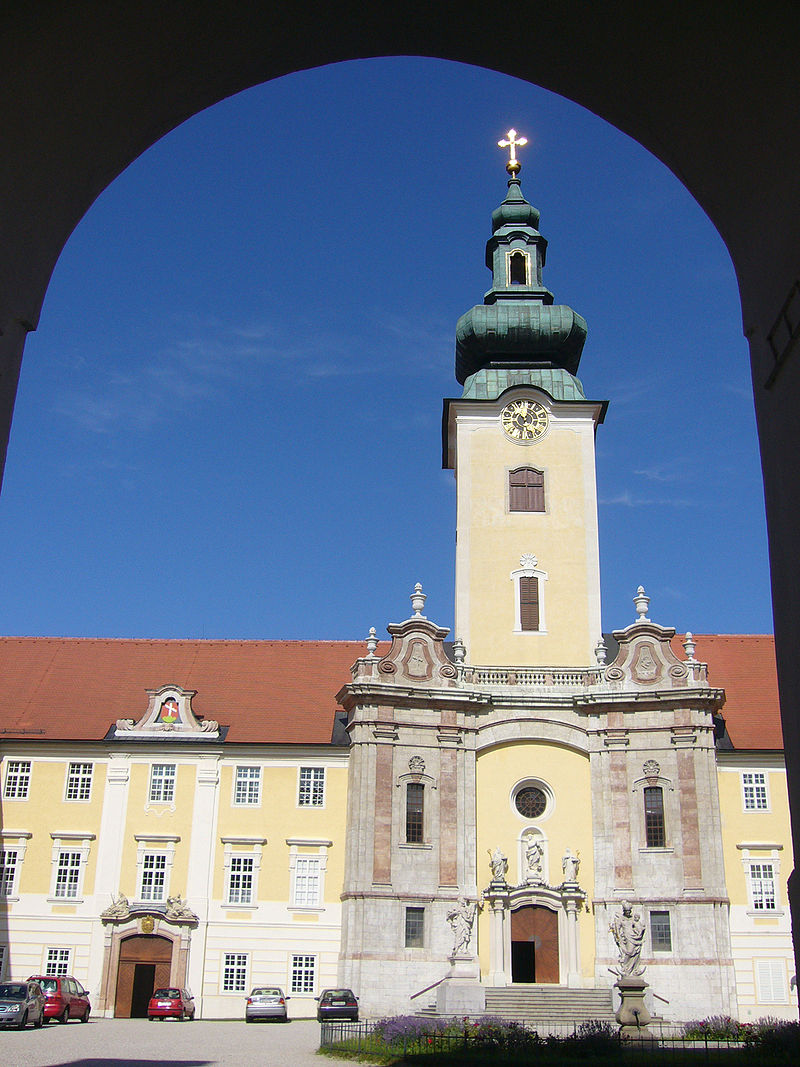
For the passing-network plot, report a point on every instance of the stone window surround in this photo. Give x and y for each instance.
(667, 786)
(532, 782)
(160, 844)
(321, 845)
(766, 853)
(542, 576)
(16, 840)
(419, 778)
(252, 848)
(69, 842)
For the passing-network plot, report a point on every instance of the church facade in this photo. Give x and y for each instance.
(421, 820)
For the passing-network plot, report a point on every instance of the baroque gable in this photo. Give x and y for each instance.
(169, 716)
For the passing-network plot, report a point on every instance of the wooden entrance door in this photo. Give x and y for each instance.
(534, 945)
(145, 963)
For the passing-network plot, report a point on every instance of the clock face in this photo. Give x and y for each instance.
(524, 420)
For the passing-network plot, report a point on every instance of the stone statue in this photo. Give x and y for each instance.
(534, 858)
(178, 910)
(628, 931)
(119, 908)
(461, 918)
(570, 865)
(499, 863)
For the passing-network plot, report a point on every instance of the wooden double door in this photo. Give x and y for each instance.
(534, 945)
(145, 964)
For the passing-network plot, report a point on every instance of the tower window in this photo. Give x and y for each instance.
(518, 269)
(526, 489)
(415, 811)
(529, 603)
(655, 836)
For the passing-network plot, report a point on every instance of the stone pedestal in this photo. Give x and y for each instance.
(632, 1015)
(461, 992)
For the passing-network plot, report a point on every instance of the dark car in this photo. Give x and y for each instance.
(64, 997)
(337, 1004)
(171, 1003)
(21, 1003)
(266, 1002)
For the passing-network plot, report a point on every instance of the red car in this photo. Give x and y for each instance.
(65, 997)
(171, 1003)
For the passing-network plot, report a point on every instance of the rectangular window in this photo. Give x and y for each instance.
(2, 961)
(8, 871)
(162, 783)
(306, 882)
(248, 786)
(18, 779)
(660, 931)
(79, 781)
(415, 813)
(68, 875)
(304, 976)
(415, 927)
(526, 490)
(57, 961)
(762, 886)
(234, 972)
(771, 981)
(312, 787)
(240, 880)
(529, 603)
(754, 790)
(154, 876)
(655, 837)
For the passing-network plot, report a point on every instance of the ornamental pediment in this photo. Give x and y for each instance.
(169, 715)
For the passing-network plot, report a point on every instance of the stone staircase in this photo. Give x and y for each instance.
(539, 1005)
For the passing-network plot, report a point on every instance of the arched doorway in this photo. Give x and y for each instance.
(145, 962)
(534, 945)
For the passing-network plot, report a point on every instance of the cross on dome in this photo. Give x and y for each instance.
(512, 143)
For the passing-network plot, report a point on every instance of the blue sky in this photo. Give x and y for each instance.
(229, 420)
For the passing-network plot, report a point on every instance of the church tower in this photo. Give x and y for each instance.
(521, 443)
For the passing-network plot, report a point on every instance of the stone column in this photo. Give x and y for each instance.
(498, 901)
(572, 903)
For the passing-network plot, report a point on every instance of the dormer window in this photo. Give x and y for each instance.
(518, 268)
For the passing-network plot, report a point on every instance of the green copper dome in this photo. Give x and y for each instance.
(518, 324)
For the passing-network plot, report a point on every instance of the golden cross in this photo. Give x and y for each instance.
(513, 143)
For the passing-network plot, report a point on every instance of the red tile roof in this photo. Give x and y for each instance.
(744, 666)
(268, 691)
(282, 691)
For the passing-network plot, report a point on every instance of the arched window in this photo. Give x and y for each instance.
(529, 592)
(518, 269)
(655, 836)
(526, 489)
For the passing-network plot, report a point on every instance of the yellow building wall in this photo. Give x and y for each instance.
(159, 819)
(567, 823)
(491, 540)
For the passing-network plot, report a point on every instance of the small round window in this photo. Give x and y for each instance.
(531, 802)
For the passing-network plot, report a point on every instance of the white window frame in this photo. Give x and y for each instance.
(242, 847)
(312, 794)
(15, 841)
(65, 844)
(529, 571)
(241, 872)
(302, 974)
(234, 973)
(249, 795)
(659, 950)
(763, 887)
(300, 849)
(154, 845)
(755, 794)
(757, 855)
(79, 778)
(58, 961)
(770, 981)
(17, 779)
(163, 779)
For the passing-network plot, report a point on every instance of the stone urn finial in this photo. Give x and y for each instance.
(600, 652)
(641, 601)
(689, 645)
(459, 651)
(418, 599)
(372, 642)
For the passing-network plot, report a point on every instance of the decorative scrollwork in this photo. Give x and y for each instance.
(651, 768)
(614, 674)
(386, 666)
(447, 671)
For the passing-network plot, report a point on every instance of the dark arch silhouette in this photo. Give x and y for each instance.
(709, 87)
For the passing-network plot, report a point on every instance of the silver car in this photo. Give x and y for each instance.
(21, 1003)
(266, 1002)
